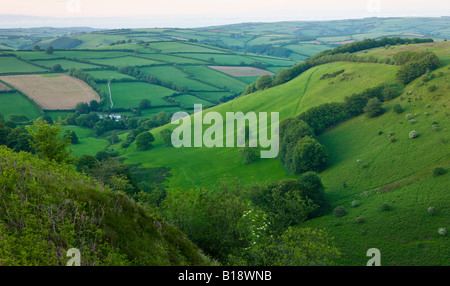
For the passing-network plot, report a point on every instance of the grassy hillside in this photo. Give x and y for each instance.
(398, 174)
(194, 167)
(49, 208)
(392, 181)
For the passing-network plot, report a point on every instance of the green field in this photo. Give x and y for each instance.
(273, 61)
(87, 143)
(214, 96)
(130, 94)
(188, 100)
(172, 74)
(249, 79)
(108, 75)
(221, 59)
(156, 110)
(216, 78)
(307, 49)
(34, 55)
(55, 115)
(66, 64)
(123, 61)
(15, 103)
(93, 54)
(13, 65)
(321, 91)
(169, 58)
(176, 47)
(276, 69)
(439, 48)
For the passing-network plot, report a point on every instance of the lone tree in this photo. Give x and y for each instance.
(36, 48)
(145, 104)
(48, 141)
(49, 50)
(114, 138)
(373, 107)
(144, 141)
(82, 108)
(94, 105)
(57, 68)
(308, 155)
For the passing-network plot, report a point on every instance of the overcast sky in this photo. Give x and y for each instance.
(195, 13)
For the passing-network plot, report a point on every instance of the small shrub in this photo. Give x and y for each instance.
(432, 88)
(431, 210)
(359, 220)
(355, 204)
(408, 116)
(385, 207)
(413, 134)
(412, 121)
(125, 144)
(427, 114)
(439, 171)
(340, 211)
(442, 231)
(380, 132)
(398, 108)
(364, 166)
(359, 161)
(393, 139)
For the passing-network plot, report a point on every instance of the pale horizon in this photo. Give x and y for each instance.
(200, 13)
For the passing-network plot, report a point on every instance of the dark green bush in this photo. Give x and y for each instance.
(340, 211)
(439, 171)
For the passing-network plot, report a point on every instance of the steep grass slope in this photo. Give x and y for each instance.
(48, 209)
(398, 174)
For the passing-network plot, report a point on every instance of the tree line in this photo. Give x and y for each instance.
(342, 53)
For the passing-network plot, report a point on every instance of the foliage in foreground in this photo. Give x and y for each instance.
(47, 208)
(226, 226)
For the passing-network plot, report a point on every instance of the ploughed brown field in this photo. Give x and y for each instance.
(53, 92)
(241, 71)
